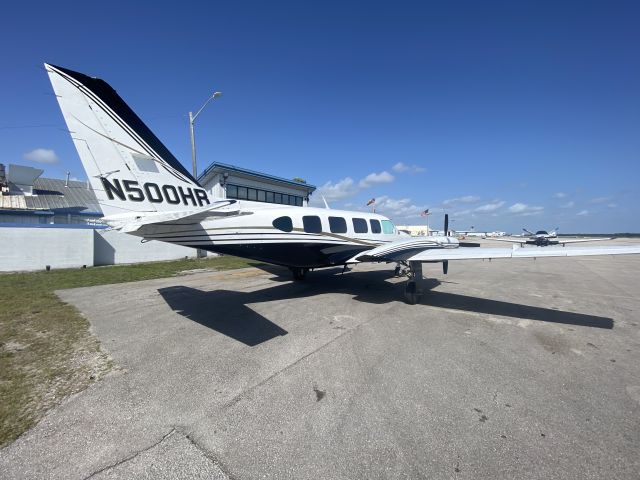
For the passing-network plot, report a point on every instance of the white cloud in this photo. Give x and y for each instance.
(583, 213)
(489, 207)
(569, 204)
(374, 178)
(402, 167)
(612, 205)
(600, 200)
(398, 208)
(524, 209)
(335, 191)
(559, 195)
(465, 199)
(41, 155)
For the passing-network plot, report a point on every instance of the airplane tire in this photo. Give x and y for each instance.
(299, 273)
(411, 294)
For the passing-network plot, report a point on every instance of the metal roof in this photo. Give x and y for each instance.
(50, 194)
(233, 168)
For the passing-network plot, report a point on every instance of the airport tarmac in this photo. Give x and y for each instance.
(507, 369)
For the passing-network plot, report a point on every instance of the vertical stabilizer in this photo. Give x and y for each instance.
(129, 169)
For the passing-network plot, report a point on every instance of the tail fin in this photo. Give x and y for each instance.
(130, 170)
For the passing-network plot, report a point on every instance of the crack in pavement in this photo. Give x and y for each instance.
(131, 457)
(244, 393)
(222, 467)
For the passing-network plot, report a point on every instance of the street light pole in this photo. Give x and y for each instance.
(192, 119)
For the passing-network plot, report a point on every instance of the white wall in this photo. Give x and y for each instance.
(28, 248)
(112, 247)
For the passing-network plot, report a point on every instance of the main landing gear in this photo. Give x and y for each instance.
(299, 272)
(412, 289)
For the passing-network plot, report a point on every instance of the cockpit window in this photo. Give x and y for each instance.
(541, 232)
(312, 224)
(283, 223)
(375, 226)
(387, 227)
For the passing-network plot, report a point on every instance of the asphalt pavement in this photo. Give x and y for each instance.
(507, 369)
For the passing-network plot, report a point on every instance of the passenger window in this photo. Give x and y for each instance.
(360, 225)
(387, 227)
(337, 225)
(283, 223)
(312, 224)
(375, 226)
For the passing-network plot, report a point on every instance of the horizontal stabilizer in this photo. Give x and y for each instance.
(128, 224)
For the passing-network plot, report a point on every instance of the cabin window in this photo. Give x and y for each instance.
(387, 227)
(283, 223)
(375, 226)
(312, 224)
(360, 225)
(337, 225)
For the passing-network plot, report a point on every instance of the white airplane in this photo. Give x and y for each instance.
(542, 238)
(145, 191)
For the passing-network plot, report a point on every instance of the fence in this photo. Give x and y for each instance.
(34, 247)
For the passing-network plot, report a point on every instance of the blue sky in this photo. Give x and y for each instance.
(504, 114)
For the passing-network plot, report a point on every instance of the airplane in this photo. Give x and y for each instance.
(542, 238)
(145, 191)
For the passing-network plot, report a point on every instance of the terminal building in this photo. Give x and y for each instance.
(221, 180)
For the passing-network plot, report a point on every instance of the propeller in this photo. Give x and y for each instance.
(445, 263)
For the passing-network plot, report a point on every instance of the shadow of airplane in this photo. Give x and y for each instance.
(227, 312)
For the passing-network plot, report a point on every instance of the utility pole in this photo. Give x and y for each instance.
(192, 119)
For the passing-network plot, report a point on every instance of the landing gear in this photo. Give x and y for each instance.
(411, 294)
(299, 273)
(402, 270)
(412, 289)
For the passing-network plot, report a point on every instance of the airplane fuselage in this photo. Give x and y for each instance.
(285, 235)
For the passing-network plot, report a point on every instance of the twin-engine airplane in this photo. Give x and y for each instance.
(542, 238)
(145, 191)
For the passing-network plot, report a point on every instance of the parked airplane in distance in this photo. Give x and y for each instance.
(542, 238)
(144, 190)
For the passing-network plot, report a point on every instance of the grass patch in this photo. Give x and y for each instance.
(46, 349)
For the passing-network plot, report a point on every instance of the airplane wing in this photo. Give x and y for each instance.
(439, 249)
(465, 253)
(578, 240)
(510, 240)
